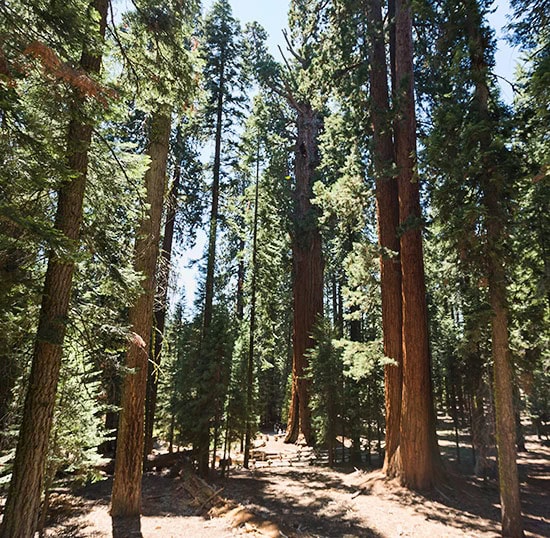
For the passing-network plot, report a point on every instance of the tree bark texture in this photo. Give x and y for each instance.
(387, 205)
(492, 182)
(418, 444)
(510, 504)
(23, 501)
(126, 495)
(163, 280)
(308, 268)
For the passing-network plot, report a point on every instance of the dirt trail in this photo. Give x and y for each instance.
(286, 495)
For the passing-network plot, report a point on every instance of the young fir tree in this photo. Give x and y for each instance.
(224, 84)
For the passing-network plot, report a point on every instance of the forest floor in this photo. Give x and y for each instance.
(288, 494)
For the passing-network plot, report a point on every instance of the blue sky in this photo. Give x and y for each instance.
(271, 14)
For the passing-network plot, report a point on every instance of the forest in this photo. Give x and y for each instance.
(369, 329)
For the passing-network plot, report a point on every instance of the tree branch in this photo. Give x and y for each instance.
(303, 62)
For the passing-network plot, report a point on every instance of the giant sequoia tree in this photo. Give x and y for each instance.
(307, 289)
(418, 451)
(307, 284)
(387, 204)
(307, 257)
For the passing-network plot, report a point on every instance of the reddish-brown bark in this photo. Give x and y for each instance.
(307, 284)
(126, 496)
(420, 462)
(387, 205)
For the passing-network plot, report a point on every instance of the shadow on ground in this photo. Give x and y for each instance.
(305, 507)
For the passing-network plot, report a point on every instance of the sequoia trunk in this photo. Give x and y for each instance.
(307, 284)
(418, 444)
(387, 204)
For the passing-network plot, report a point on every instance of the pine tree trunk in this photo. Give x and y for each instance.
(512, 524)
(126, 496)
(493, 199)
(387, 204)
(203, 434)
(23, 502)
(252, 326)
(307, 284)
(418, 444)
(163, 279)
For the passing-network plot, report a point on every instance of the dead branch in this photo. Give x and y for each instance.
(214, 495)
(303, 62)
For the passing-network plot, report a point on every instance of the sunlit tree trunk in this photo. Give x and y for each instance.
(23, 501)
(163, 277)
(387, 204)
(126, 495)
(420, 462)
(307, 284)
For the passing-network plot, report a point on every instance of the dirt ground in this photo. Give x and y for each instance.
(288, 494)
